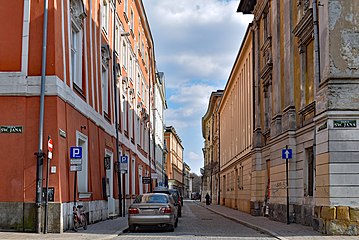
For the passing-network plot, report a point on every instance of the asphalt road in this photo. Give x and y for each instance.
(198, 222)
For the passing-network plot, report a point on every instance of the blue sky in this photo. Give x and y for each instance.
(196, 43)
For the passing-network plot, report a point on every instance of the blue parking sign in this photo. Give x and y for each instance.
(75, 152)
(124, 159)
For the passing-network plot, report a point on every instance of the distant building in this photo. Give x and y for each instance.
(210, 133)
(160, 106)
(174, 159)
(187, 181)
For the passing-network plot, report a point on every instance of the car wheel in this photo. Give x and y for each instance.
(132, 228)
(171, 228)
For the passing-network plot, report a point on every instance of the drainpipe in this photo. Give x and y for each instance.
(316, 42)
(119, 174)
(219, 160)
(317, 76)
(40, 154)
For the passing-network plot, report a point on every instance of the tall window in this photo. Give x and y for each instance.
(125, 113)
(77, 16)
(124, 54)
(132, 20)
(310, 169)
(105, 89)
(76, 58)
(130, 68)
(142, 48)
(105, 55)
(105, 10)
(138, 83)
(117, 38)
(125, 6)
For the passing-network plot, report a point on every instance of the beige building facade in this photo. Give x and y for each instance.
(210, 133)
(174, 159)
(236, 127)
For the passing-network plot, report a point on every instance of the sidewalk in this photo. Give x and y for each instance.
(279, 230)
(102, 230)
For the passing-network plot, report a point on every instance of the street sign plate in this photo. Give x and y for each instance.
(75, 152)
(75, 161)
(75, 168)
(287, 153)
(146, 180)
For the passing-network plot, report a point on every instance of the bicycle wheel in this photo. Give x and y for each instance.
(84, 221)
(76, 223)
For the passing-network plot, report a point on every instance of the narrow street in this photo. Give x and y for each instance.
(199, 223)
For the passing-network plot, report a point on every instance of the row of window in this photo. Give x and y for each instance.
(127, 102)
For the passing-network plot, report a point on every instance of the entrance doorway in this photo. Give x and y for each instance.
(109, 175)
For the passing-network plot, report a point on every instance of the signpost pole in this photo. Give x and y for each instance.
(49, 156)
(286, 167)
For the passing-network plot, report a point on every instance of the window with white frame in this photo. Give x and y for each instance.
(104, 89)
(105, 13)
(138, 132)
(138, 82)
(125, 6)
(124, 54)
(82, 176)
(132, 20)
(77, 16)
(125, 112)
(142, 48)
(133, 174)
(105, 56)
(117, 38)
(130, 67)
(130, 123)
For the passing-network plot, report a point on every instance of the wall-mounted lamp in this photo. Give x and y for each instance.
(83, 127)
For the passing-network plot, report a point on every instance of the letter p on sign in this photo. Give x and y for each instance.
(75, 152)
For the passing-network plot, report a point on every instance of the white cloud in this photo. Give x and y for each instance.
(196, 42)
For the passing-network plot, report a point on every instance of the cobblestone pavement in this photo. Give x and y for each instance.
(199, 222)
(278, 229)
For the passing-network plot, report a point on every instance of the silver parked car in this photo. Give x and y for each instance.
(153, 209)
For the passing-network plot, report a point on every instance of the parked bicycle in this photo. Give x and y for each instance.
(80, 219)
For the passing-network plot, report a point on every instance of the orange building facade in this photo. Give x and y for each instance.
(100, 70)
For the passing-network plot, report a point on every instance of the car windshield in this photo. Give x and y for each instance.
(154, 198)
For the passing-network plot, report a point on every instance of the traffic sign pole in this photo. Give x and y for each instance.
(286, 167)
(49, 157)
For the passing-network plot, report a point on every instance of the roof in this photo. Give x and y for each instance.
(246, 6)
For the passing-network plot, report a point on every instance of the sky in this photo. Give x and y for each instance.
(196, 43)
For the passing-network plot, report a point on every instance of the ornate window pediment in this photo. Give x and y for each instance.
(305, 28)
(105, 54)
(78, 13)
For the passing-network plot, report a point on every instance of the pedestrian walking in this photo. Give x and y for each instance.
(208, 199)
